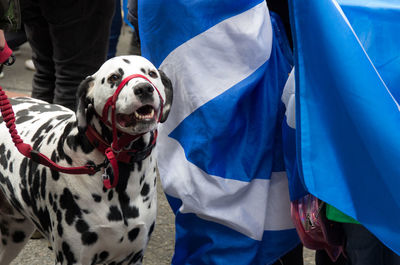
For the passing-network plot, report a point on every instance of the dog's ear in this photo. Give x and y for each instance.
(168, 95)
(83, 103)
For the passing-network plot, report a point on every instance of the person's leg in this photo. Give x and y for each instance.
(322, 258)
(115, 31)
(362, 247)
(79, 31)
(37, 33)
(293, 257)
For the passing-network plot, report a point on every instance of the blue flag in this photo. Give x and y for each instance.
(347, 112)
(220, 151)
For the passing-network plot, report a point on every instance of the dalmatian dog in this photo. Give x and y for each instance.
(85, 221)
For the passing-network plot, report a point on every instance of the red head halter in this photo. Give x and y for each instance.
(118, 144)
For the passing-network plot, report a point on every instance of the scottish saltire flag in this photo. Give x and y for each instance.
(347, 56)
(296, 185)
(220, 151)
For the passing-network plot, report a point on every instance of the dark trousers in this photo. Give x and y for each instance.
(363, 248)
(69, 40)
(293, 257)
(322, 258)
(116, 25)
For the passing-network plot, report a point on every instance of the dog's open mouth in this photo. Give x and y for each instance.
(143, 114)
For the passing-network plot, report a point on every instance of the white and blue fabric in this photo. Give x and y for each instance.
(220, 151)
(347, 57)
(296, 185)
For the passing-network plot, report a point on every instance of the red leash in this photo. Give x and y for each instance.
(25, 149)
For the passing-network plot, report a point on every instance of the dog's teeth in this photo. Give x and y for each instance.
(142, 117)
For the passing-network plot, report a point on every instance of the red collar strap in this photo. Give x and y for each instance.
(125, 156)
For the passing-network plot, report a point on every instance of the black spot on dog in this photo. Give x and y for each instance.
(68, 254)
(151, 228)
(80, 140)
(89, 238)
(126, 61)
(43, 184)
(18, 236)
(103, 80)
(110, 195)
(60, 229)
(138, 256)
(25, 196)
(103, 256)
(11, 167)
(60, 257)
(55, 207)
(130, 212)
(50, 198)
(61, 141)
(3, 158)
(132, 235)
(114, 214)
(23, 112)
(121, 71)
(40, 131)
(142, 70)
(59, 216)
(145, 190)
(81, 226)
(8, 154)
(64, 117)
(54, 174)
(50, 138)
(141, 179)
(94, 260)
(22, 119)
(68, 203)
(96, 198)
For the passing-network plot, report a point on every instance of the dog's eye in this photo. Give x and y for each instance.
(113, 78)
(153, 74)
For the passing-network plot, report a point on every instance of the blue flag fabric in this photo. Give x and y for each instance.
(347, 112)
(220, 151)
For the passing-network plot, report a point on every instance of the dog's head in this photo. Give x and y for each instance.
(141, 103)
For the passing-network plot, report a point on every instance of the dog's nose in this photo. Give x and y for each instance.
(143, 90)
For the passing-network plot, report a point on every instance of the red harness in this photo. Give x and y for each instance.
(114, 152)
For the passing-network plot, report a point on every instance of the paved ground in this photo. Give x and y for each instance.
(18, 79)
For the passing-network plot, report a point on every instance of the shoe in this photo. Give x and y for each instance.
(29, 65)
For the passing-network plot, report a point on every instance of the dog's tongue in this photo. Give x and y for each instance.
(125, 120)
